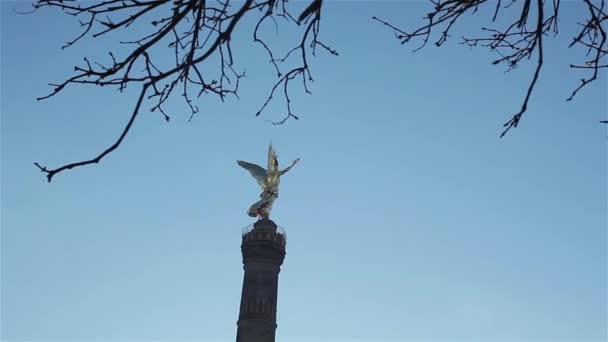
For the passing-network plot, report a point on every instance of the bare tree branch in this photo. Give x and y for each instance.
(199, 32)
(195, 31)
(537, 42)
(517, 42)
(593, 37)
(53, 172)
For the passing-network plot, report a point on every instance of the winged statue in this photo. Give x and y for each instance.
(268, 179)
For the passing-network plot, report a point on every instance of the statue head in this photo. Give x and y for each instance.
(273, 160)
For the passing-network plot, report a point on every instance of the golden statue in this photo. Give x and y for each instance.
(268, 179)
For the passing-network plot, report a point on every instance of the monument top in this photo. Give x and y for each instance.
(264, 230)
(268, 179)
(265, 225)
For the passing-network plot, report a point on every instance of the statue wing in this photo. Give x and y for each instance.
(258, 172)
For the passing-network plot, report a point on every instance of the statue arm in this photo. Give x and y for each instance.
(289, 167)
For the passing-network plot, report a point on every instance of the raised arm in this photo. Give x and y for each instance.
(282, 172)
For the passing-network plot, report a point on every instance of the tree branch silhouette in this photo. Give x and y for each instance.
(517, 42)
(196, 31)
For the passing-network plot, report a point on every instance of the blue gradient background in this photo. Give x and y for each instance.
(407, 219)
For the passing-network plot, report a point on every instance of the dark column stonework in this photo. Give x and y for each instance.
(263, 250)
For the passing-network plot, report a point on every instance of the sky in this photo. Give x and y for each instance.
(408, 218)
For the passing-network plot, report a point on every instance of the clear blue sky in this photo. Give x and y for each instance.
(408, 218)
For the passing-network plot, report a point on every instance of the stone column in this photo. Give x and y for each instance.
(263, 250)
